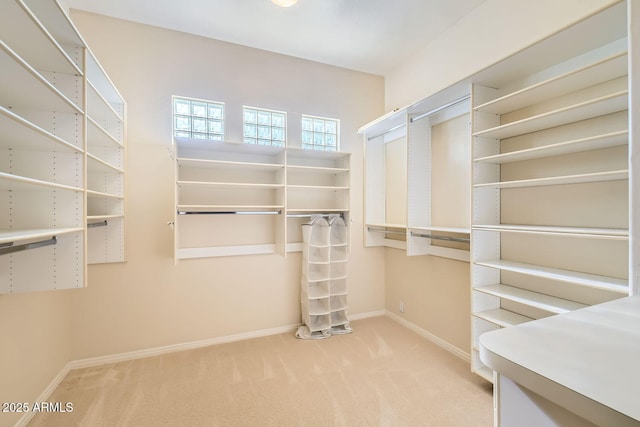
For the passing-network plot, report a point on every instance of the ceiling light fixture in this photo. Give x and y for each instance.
(285, 3)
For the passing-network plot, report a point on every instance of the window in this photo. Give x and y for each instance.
(319, 133)
(195, 118)
(264, 127)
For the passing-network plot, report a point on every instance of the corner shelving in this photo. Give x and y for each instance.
(53, 187)
(547, 147)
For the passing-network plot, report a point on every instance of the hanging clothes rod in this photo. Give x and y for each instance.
(98, 224)
(387, 131)
(9, 248)
(440, 108)
(377, 230)
(324, 215)
(439, 237)
(229, 212)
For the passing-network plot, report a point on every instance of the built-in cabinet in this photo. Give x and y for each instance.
(49, 170)
(240, 199)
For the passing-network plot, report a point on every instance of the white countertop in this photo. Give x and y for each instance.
(587, 361)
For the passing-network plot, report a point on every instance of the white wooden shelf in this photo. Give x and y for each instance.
(601, 233)
(502, 318)
(230, 185)
(56, 21)
(17, 236)
(22, 30)
(98, 137)
(533, 299)
(99, 108)
(316, 210)
(101, 195)
(458, 230)
(101, 82)
(596, 142)
(386, 225)
(103, 217)
(20, 134)
(318, 169)
(100, 166)
(317, 187)
(574, 80)
(612, 284)
(222, 164)
(560, 180)
(225, 208)
(24, 87)
(585, 110)
(15, 182)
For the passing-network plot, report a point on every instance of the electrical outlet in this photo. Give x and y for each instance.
(401, 307)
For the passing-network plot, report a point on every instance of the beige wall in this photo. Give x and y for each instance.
(491, 32)
(149, 302)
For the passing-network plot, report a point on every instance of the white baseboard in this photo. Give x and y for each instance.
(428, 335)
(367, 315)
(44, 396)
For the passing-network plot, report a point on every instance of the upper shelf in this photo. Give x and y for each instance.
(597, 142)
(230, 185)
(22, 235)
(225, 164)
(601, 71)
(559, 180)
(598, 233)
(582, 111)
(21, 30)
(56, 21)
(15, 182)
(23, 87)
(21, 134)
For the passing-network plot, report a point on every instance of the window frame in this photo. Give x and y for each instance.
(279, 142)
(220, 137)
(313, 146)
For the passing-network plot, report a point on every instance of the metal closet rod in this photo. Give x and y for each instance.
(377, 230)
(229, 212)
(97, 224)
(324, 215)
(9, 248)
(439, 237)
(422, 116)
(440, 108)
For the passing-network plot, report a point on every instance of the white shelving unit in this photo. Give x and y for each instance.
(550, 225)
(431, 224)
(241, 199)
(43, 183)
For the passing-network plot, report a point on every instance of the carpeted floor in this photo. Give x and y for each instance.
(380, 375)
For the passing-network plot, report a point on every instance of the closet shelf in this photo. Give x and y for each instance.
(317, 187)
(533, 299)
(384, 225)
(458, 230)
(560, 180)
(98, 136)
(568, 147)
(100, 109)
(319, 169)
(223, 164)
(589, 75)
(20, 134)
(56, 21)
(14, 182)
(99, 165)
(585, 110)
(600, 233)
(103, 217)
(233, 149)
(229, 208)
(13, 235)
(92, 194)
(103, 84)
(612, 284)
(502, 318)
(229, 185)
(23, 87)
(33, 42)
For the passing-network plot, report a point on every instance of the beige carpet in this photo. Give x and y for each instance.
(380, 375)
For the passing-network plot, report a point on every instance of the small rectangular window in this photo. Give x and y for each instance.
(195, 118)
(264, 127)
(319, 133)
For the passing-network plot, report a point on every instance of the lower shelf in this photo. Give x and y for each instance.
(218, 251)
(503, 318)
